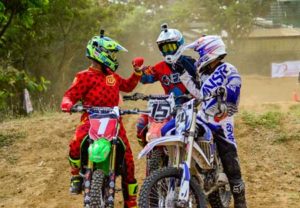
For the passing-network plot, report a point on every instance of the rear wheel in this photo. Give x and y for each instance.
(97, 194)
(161, 189)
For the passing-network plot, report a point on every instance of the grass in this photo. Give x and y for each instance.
(275, 121)
(284, 137)
(7, 139)
(269, 120)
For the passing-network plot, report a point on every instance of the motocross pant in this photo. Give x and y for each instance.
(229, 157)
(74, 153)
(228, 153)
(142, 128)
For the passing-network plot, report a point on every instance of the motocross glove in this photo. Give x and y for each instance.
(66, 105)
(137, 63)
(178, 67)
(222, 112)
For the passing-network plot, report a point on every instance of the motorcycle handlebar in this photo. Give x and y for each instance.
(80, 108)
(141, 96)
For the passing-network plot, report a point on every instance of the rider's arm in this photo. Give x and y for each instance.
(76, 91)
(191, 84)
(127, 85)
(187, 63)
(233, 88)
(149, 75)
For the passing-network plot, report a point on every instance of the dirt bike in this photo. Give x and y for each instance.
(195, 171)
(102, 155)
(159, 113)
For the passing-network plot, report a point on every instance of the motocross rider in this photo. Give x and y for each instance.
(170, 43)
(216, 76)
(99, 85)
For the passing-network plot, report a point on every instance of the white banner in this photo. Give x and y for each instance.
(286, 69)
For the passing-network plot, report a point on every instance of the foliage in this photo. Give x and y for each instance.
(48, 38)
(12, 84)
(236, 17)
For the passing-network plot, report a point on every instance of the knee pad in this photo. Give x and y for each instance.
(130, 190)
(74, 163)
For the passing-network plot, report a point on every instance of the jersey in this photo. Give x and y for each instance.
(95, 88)
(168, 77)
(225, 75)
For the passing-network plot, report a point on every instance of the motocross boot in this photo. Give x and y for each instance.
(76, 184)
(76, 179)
(130, 194)
(238, 191)
(233, 171)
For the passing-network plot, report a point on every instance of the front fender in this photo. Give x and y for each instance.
(99, 150)
(162, 141)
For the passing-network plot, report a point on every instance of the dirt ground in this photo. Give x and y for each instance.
(34, 169)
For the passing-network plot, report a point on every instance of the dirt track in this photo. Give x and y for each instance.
(34, 169)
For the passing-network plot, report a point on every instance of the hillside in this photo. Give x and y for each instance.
(34, 166)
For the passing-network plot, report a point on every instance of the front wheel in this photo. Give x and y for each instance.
(97, 190)
(161, 189)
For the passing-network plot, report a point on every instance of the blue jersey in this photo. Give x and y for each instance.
(168, 76)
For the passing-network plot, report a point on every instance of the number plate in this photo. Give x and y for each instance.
(159, 109)
(184, 117)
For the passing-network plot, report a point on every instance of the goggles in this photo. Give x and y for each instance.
(168, 48)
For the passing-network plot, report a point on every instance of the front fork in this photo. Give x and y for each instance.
(112, 174)
(186, 176)
(87, 178)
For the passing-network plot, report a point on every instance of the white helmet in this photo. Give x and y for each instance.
(170, 43)
(210, 48)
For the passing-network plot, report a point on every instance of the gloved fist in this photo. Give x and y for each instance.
(222, 112)
(178, 67)
(221, 91)
(137, 63)
(66, 107)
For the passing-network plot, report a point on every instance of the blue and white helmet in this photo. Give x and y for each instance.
(170, 43)
(209, 48)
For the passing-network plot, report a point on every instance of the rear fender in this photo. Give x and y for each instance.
(162, 141)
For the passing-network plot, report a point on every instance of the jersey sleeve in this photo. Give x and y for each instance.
(149, 75)
(190, 83)
(188, 64)
(127, 85)
(78, 89)
(233, 88)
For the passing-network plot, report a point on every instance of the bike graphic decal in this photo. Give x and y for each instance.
(103, 127)
(184, 117)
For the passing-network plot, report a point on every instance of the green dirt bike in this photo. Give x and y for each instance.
(102, 155)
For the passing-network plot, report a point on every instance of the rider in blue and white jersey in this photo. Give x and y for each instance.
(215, 76)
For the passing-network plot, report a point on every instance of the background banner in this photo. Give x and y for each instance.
(286, 69)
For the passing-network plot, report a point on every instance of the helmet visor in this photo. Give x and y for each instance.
(168, 48)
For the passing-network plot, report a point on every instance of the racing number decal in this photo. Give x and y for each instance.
(160, 110)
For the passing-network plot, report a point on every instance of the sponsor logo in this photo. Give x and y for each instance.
(110, 80)
(238, 188)
(171, 79)
(229, 129)
(217, 79)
